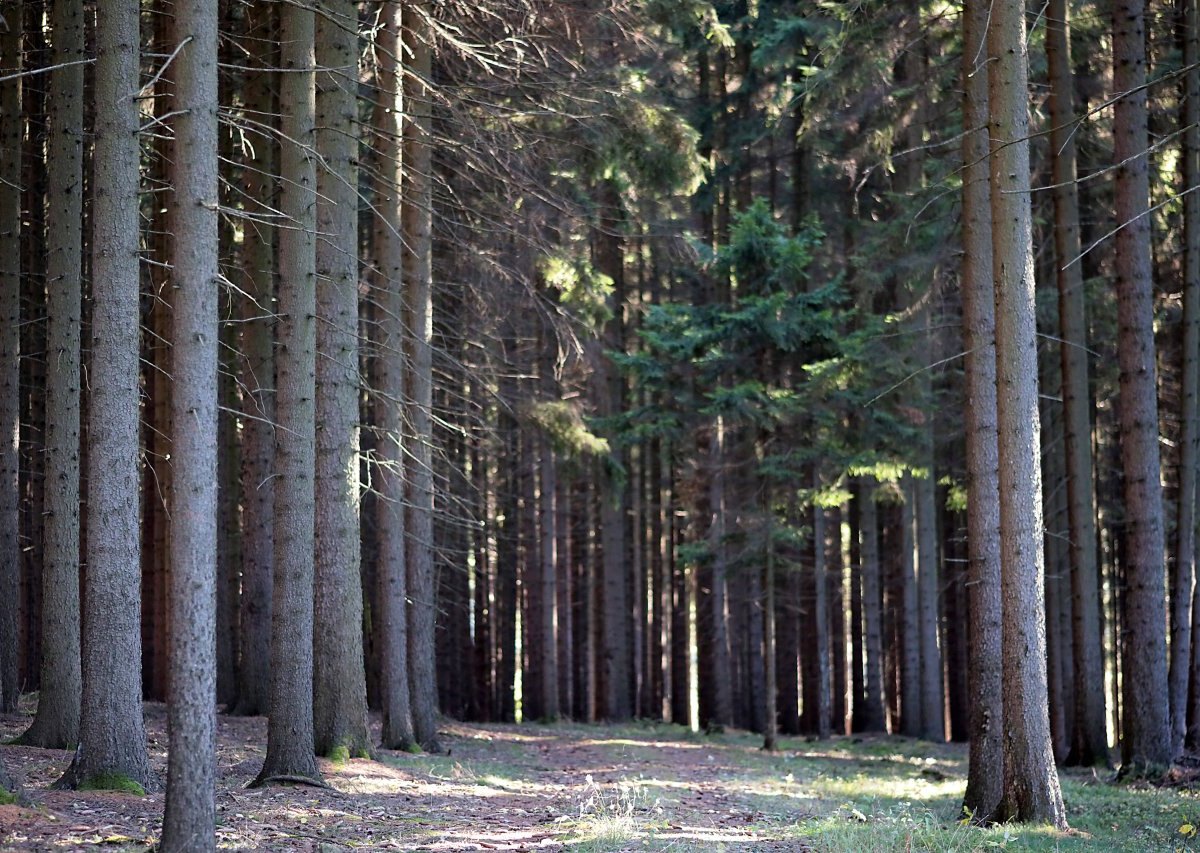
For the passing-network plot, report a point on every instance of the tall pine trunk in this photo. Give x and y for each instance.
(112, 736)
(290, 724)
(56, 724)
(1146, 746)
(339, 673)
(872, 607)
(1090, 742)
(189, 820)
(1031, 790)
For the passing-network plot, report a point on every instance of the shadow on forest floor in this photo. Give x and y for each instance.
(592, 788)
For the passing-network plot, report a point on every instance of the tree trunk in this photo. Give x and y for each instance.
(290, 728)
(1184, 587)
(257, 373)
(112, 736)
(392, 575)
(1146, 747)
(872, 596)
(57, 722)
(1090, 743)
(1031, 789)
(910, 673)
(11, 131)
(933, 694)
(548, 613)
(339, 674)
(189, 819)
(820, 626)
(418, 234)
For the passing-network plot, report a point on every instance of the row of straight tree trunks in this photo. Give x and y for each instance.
(439, 462)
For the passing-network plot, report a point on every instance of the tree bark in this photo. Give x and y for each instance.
(910, 673)
(339, 673)
(189, 822)
(1146, 746)
(872, 596)
(1090, 743)
(11, 131)
(1031, 788)
(418, 234)
(112, 736)
(290, 725)
(390, 392)
(257, 374)
(56, 724)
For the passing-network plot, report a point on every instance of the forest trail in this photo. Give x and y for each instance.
(501, 787)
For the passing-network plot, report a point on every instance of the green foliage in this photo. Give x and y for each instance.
(582, 290)
(564, 426)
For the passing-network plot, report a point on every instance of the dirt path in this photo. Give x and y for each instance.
(500, 788)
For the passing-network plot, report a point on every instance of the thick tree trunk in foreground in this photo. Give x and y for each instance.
(392, 577)
(11, 130)
(57, 722)
(1031, 788)
(112, 736)
(189, 820)
(339, 673)
(1146, 746)
(290, 729)
(985, 773)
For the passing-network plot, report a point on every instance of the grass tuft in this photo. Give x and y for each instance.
(112, 782)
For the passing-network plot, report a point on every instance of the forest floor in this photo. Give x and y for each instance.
(593, 788)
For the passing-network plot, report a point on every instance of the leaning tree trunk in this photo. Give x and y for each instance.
(11, 131)
(56, 724)
(1031, 789)
(257, 375)
(112, 736)
(1090, 742)
(190, 816)
(392, 577)
(290, 727)
(418, 235)
(984, 627)
(1146, 746)
(339, 672)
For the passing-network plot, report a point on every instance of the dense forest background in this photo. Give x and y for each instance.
(602, 359)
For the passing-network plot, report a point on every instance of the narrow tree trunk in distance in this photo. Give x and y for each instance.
(56, 724)
(290, 724)
(112, 736)
(910, 675)
(339, 674)
(874, 719)
(257, 376)
(548, 614)
(933, 695)
(189, 819)
(1031, 789)
(392, 576)
(11, 130)
(771, 721)
(820, 625)
(721, 674)
(1146, 746)
(1090, 742)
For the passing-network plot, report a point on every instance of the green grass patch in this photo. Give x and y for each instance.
(112, 782)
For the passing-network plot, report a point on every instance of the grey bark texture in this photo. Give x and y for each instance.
(11, 131)
(1184, 586)
(339, 671)
(256, 309)
(112, 736)
(56, 724)
(819, 624)
(985, 773)
(1090, 742)
(1031, 787)
(189, 821)
(418, 234)
(910, 684)
(933, 697)
(290, 728)
(874, 719)
(392, 575)
(1146, 745)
